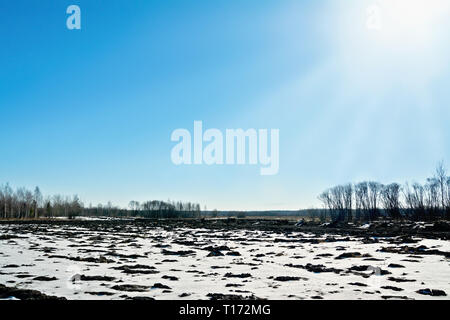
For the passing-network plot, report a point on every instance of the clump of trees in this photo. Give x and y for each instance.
(164, 209)
(369, 200)
(24, 204)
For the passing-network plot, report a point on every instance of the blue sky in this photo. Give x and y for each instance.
(91, 111)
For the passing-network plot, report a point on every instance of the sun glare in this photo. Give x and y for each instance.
(393, 41)
(413, 22)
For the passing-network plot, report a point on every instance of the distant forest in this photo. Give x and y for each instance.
(25, 204)
(363, 201)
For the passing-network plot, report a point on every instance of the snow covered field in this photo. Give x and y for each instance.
(182, 263)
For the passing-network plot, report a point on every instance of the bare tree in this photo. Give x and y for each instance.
(432, 197)
(414, 200)
(37, 201)
(390, 196)
(374, 192)
(447, 202)
(347, 194)
(441, 179)
(362, 199)
(325, 198)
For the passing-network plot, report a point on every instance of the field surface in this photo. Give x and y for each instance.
(221, 259)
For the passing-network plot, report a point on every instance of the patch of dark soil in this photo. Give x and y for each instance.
(96, 278)
(396, 298)
(181, 253)
(215, 253)
(101, 259)
(135, 266)
(171, 278)
(368, 240)
(325, 255)
(400, 279)
(218, 248)
(318, 268)
(358, 284)
(220, 296)
(100, 293)
(421, 250)
(130, 288)
(432, 292)
(403, 239)
(183, 295)
(439, 226)
(372, 259)
(392, 288)
(8, 237)
(347, 255)
(45, 278)
(160, 286)
(287, 278)
(394, 265)
(169, 260)
(410, 260)
(240, 275)
(139, 271)
(359, 268)
(25, 294)
(125, 256)
(23, 276)
(140, 298)
(161, 246)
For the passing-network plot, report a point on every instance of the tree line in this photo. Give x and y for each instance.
(164, 209)
(369, 200)
(25, 204)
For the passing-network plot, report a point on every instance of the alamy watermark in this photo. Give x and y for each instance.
(374, 19)
(73, 22)
(236, 146)
(375, 279)
(73, 280)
